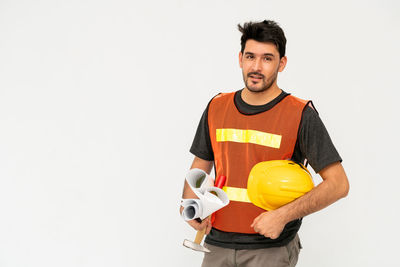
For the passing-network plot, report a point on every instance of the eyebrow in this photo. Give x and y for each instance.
(265, 54)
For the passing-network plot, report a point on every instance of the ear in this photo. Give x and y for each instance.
(240, 59)
(282, 63)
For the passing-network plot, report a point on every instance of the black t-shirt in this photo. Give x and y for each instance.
(313, 144)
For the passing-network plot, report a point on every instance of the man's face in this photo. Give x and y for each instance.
(260, 65)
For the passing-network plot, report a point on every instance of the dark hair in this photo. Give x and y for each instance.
(267, 31)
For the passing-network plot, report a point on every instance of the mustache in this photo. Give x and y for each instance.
(255, 73)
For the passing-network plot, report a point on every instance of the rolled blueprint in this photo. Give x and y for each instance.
(199, 181)
(210, 198)
(192, 209)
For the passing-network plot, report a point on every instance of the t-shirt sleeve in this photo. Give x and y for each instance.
(314, 141)
(201, 146)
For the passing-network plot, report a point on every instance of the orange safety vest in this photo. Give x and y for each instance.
(239, 142)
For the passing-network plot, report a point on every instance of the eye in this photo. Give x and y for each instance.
(249, 56)
(267, 59)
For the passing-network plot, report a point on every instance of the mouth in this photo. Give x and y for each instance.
(256, 77)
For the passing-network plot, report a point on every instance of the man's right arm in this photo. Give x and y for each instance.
(206, 166)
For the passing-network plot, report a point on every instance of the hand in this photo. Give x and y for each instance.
(200, 225)
(206, 223)
(269, 224)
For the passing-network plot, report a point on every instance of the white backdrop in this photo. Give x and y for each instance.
(100, 100)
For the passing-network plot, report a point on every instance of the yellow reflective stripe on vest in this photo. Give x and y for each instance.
(236, 194)
(249, 136)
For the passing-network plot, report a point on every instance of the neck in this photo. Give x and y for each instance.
(260, 98)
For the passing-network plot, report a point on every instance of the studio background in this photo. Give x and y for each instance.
(100, 101)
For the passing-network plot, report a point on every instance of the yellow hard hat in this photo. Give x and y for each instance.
(275, 183)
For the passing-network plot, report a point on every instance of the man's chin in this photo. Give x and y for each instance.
(256, 89)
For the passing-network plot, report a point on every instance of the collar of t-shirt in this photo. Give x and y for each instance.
(247, 109)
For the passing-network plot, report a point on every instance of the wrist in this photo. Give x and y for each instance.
(282, 215)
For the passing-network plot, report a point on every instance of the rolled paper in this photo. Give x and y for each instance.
(210, 198)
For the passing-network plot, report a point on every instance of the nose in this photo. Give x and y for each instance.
(256, 67)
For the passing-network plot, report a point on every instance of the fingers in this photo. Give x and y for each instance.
(258, 229)
(273, 236)
(255, 221)
(195, 224)
(206, 223)
(272, 233)
(209, 226)
(203, 224)
(268, 232)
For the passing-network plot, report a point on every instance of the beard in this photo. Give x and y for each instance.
(261, 86)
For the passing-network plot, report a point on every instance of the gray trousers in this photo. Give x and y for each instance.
(285, 256)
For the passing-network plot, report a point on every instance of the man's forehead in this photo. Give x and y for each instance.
(255, 47)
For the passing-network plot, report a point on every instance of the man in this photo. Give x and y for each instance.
(242, 234)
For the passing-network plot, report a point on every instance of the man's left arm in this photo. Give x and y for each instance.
(334, 186)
